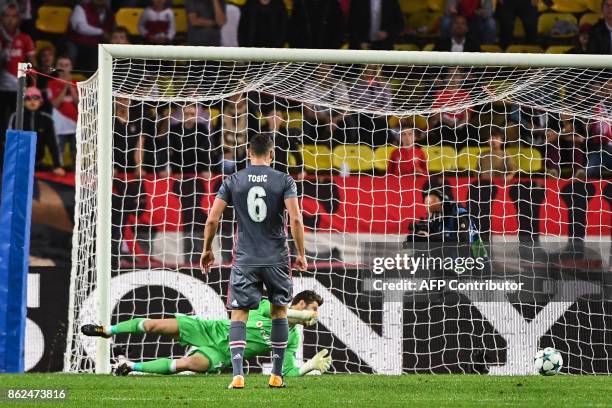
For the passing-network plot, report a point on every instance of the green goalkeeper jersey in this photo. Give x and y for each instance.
(210, 338)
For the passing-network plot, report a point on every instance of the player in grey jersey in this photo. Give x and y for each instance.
(259, 195)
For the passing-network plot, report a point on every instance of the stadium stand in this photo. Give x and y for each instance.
(354, 158)
(440, 158)
(548, 25)
(128, 18)
(53, 20)
(180, 17)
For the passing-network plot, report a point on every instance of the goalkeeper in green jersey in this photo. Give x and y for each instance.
(210, 339)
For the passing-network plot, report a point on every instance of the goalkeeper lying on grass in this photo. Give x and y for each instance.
(210, 339)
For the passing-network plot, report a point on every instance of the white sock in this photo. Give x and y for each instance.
(107, 330)
(173, 366)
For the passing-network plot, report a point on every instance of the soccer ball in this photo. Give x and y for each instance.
(548, 361)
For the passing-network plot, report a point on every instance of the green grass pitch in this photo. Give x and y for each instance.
(319, 392)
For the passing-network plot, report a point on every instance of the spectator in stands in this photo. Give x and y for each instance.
(374, 24)
(120, 35)
(204, 21)
(582, 40)
(371, 91)
(194, 156)
(316, 24)
(328, 126)
(155, 130)
(41, 123)
(45, 63)
(496, 163)
(157, 24)
(479, 16)
(229, 31)
(202, 117)
(599, 144)
(16, 47)
(453, 124)
(408, 159)
(126, 139)
(565, 147)
(235, 125)
(263, 23)
(285, 144)
(192, 149)
(492, 164)
(90, 24)
(64, 99)
(25, 9)
(127, 143)
(460, 39)
(321, 124)
(600, 37)
(508, 11)
(127, 191)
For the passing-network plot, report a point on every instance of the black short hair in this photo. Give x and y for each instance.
(261, 144)
(120, 29)
(308, 296)
(443, 192)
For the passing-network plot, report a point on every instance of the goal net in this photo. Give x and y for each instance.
(521, 150)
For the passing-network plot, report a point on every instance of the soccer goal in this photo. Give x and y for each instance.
(520, 143)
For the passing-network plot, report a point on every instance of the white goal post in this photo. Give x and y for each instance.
(107, 87)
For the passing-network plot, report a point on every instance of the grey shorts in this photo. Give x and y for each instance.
(247, 282)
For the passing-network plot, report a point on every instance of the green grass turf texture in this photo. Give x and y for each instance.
(318, 391)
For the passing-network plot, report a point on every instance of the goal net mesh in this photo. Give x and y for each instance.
(525, 152)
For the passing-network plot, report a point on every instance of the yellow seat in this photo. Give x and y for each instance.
(382, 155)
(542, 7)
(215, 116)
(288, 5)
(429, 47)
(519, 29)
(490, 48)
(558, 49)
(411, 6)
(594, 5)
(440, 158)
(238, 3)
(405, 47)
(436, 5)
(294, 119)
(53, 20)
(356, 157)
(292, 161)
(570, 6)
(79, 77)
(40, 44)
(425, 22)
(467, 159)
(524, 48)
(180, 20)
(547, 21)
(128, 17)
(316, 157)
(392, 122)
(590, 18)
(527, 159)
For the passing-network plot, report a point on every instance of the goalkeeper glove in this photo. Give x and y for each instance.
(320, 362)
(305, 317)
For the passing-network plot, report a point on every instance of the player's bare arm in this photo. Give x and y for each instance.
(210, 230)
(297, 231)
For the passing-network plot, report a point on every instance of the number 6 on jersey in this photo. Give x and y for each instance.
(256, 205)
